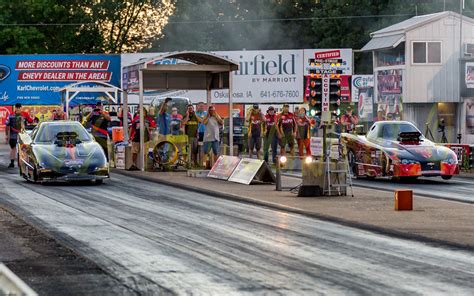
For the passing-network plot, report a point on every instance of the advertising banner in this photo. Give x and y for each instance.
(250, 169)
(5, 111)
(42, 112)
(469, 116)
(36, 79)
(224, 167)
(389, 93)
(362, 93)
(469, 75)
(265, 77)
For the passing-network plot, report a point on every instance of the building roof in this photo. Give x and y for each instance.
(412, 23)
(391, 41)
(393, 35)
(195, 57)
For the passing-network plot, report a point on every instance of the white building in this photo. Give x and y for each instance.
(418, 62)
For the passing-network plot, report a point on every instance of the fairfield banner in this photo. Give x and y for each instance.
(265, 77)
(36, 79)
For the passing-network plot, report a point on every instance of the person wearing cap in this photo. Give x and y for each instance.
(255, 123)
(14, 125)
(191, 126)
(349, 120)
(99, 121)
(270, 137)
(286, 128)
(176, 120)
(134, 132)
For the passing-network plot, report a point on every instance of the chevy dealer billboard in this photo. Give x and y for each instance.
(36, 79)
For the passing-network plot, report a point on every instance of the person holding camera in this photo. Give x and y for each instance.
(212, 121)
(191, 126)
(99, 121)
(255, 123)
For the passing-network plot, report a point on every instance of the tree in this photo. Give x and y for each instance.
(90, 26)
(128, 26)
(44, 26)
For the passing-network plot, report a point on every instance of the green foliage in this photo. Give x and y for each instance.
(31, 38)
(88, 26)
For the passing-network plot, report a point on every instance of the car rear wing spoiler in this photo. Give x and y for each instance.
(67, 138)
(409, 137)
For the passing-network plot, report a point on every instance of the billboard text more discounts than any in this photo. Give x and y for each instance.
(36, 79)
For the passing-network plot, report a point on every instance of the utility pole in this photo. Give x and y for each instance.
(461, 7)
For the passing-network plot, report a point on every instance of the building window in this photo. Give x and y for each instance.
(426, 52)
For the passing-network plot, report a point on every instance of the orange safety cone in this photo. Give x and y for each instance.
(403, 200)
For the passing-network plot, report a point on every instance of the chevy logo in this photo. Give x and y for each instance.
(431, 163)
(4, 72)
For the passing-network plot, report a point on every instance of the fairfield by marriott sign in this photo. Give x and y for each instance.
(266, 64)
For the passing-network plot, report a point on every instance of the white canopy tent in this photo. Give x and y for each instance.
(199, 71)
(69, 92)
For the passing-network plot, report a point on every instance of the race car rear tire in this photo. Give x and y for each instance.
(446, 177)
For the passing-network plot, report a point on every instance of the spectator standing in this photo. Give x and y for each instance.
(270, 134)
(176, 121)
(349, 120)
(201, 113)
(120, 117)
(135, 135)
(99, 121)
(304, 133)
(164, 118)
(212, 121)
(191, 125)
(255, 123)
(14, 125)
(58, 114)
(286, 128)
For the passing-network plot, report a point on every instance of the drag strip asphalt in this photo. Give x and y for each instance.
(459, 189)
(161, 239)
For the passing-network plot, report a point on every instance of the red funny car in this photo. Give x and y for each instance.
(398, 149)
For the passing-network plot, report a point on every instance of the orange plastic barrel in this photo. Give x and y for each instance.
(117, 134)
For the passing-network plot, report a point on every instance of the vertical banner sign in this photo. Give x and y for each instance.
(326, 114)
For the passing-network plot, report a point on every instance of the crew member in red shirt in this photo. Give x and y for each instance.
(303, 136)
(286, 130)
(255, 123)
(270, 134)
